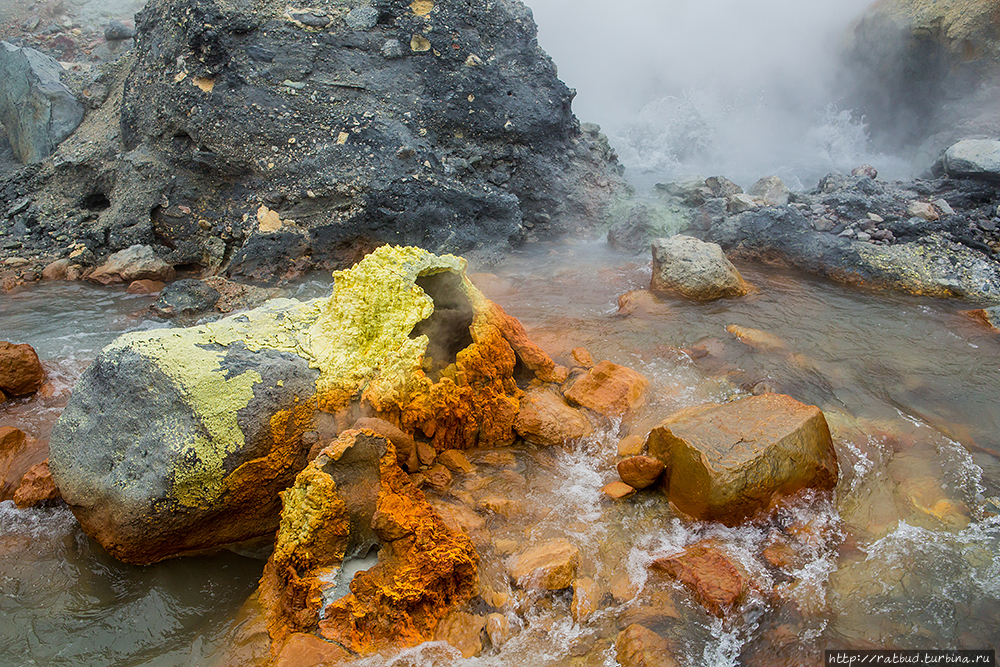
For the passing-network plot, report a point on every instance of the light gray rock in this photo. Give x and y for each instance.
(694, 269)
(137, 262)
(973, 158)
(37, 110)
(771, 190)
(362, 18)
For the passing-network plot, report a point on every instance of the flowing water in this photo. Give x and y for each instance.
(905, 554)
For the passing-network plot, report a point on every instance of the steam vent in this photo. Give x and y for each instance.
(179, 440)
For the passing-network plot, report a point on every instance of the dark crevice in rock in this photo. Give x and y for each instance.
(448, 327)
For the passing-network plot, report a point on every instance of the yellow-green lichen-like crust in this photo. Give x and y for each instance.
(356, 338)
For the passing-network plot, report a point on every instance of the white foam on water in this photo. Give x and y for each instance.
(37, 524)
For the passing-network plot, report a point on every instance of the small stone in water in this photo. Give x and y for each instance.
(618, 490)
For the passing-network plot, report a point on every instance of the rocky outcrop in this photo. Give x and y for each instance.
(268, 146)
(973, 158)
(694, 269)
(36, 109)
(921, 67)
(861, 231)
(351, 498)
(728, 462)
(179, 440)
(21, 373)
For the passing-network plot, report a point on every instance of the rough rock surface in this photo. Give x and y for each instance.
(544, 418)
(973, 158)
(36, 109)
(608, 389)
(713, 580)
(549, 566)
(727, 462)
(21, 373)
(138, 262)
(18, 454)
(694, 269)
(638, 646)
(179, 440)
(351, 497)
(859, 231)
(36, 487)
(262, 142)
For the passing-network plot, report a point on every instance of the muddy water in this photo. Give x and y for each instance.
(904, 555)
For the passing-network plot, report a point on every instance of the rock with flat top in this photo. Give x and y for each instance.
(973, 158)
(708, 574)
(685, 266)
(608, 389)
(727, 462)
(549, 566)
(136, 262)
(546, 419)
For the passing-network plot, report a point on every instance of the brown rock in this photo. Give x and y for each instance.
(235, 296)
(656, 608)
(549, 566)
(618, 491)
(462, 631)
(498, 459)
(455, 461)
(623, 588)
(56, 270)
(145, 286)
(637, 646)
(582, 357)
(21, 373)
(757, 339)
(630, 445)
(459, 518)
(727, 462)
(641, 303)
(708, 575)
(546, 419)
(498, 629)
(608, 389)
(18, 454)
(640, 472)
(406, 448)
(37, 487)
(425, 453)
(438, 477)
(305, 650)
(586, 596)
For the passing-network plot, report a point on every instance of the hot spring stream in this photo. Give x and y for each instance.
(906, 556)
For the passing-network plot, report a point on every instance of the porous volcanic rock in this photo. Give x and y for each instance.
(262, 139)
(727, 462)
(179, 440)
(351, 497)
(694, 269)
(21, 372)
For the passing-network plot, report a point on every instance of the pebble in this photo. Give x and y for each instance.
(362, 18)
(312, 20)
(117, 31)
(392, 49)
(864, 236)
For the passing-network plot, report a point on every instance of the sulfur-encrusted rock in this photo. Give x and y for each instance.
(608, 389)
(727, 462)
(179, 440)
(545, 418)
(694, 269)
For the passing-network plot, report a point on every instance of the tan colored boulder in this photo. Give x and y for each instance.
(546, 419)
(37, 487)
(19, 453)
(498, 629)
(608, 389)
(770, 191)
(618, 491)
(922, 209)
(638, 646)
(21, 373)
(757, 339)
(708, 574)
(438, 477)
(145, 286)
(694, 269)
(630, 445)
(455, 461)
(137, 262)
(640, 472)
(550, 566)
(641, 303)
(728, 462)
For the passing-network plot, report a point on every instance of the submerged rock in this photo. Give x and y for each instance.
(544, 418)
(694, 269)
(36, 109)
(608, 389)
(179, 440)
(728, 462)
(550, 566)
(708, 574)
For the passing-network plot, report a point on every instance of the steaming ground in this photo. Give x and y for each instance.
(717, 87)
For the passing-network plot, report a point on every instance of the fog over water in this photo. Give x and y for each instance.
(742, 89)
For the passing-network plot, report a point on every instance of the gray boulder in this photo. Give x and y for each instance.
(973, 158)
(685, 266)
(37, 110)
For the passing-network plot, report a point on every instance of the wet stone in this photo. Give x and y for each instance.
(608, 389)
(637, 646)
(640, 472)
(618, 491)
(708, 575)
(549, 566)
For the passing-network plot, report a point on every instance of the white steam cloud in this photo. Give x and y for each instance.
(730, 87)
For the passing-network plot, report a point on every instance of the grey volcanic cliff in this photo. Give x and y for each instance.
(262, 140)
